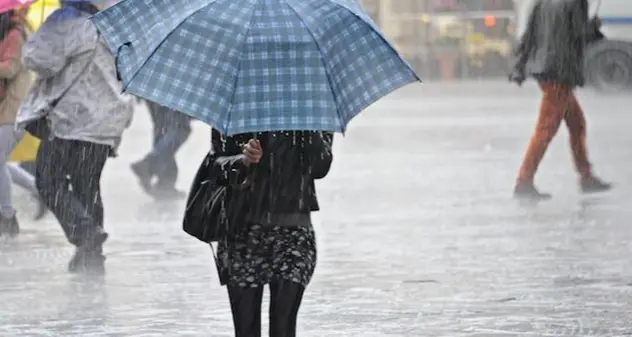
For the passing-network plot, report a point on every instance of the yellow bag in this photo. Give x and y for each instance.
(26, 150)
(39, 11)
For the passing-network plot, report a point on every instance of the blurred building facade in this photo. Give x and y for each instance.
(450, 39)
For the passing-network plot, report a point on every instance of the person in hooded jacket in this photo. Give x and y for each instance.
(271, 239)
(78, 96)
(551, 51)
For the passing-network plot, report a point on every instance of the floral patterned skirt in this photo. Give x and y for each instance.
(259, 255)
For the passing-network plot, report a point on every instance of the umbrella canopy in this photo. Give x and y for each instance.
(6, 5)
(254, 65)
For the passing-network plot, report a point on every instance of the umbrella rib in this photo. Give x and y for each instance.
(232, 99)
(331, 84)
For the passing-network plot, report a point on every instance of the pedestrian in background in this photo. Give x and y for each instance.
(78, 98)
(551, 51)
(22, 166)
(171, 130)
(14, 84)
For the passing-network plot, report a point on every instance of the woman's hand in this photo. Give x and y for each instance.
(517, 76)
(252, 152)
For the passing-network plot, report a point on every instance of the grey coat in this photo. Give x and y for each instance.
(552, 46)
(68, 56)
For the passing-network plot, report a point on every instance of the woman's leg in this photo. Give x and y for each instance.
(52, 184)
(86, 164)
(85, 179)
(555, 99)
(29, 166)
(552, 110)
(177, 132)
(285, 300)
(8, 141)
(54, 161)
(245, 304)
(576, 124)
(26, 180)
(22, 178)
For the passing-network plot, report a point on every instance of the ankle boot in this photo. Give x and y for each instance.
(527, 191)
(9, 226)
(593, 184)
(88, 257)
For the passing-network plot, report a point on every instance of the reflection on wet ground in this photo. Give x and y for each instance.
(418, 235)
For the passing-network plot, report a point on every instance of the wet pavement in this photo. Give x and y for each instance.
(418, 234)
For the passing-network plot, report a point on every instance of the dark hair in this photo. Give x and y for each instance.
(82, 6)
(7, 23)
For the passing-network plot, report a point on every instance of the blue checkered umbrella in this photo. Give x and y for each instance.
(254, 65)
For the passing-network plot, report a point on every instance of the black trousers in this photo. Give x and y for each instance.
(285, 300)
(68, 175)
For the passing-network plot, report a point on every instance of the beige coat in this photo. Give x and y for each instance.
(18, 76)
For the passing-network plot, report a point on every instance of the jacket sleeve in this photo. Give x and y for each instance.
(527, 41)
(579, 23)
(309, 149)
(594, 33)
(228, 161)
(319, 153)
(10, 64)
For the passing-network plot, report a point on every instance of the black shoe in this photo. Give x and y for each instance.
(87, 262)
(594, 185)
(9, 226)
(526, 191)
(141, 169)
(89, 257)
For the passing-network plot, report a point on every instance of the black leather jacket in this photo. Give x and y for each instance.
(280, 188)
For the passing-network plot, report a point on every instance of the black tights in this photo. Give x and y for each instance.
(285, 300)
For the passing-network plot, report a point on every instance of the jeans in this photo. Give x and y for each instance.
(68, 180)
(171, 130)
(9, 138)
(22, 178)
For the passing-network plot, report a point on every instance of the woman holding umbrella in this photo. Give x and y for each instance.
(272, 240)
